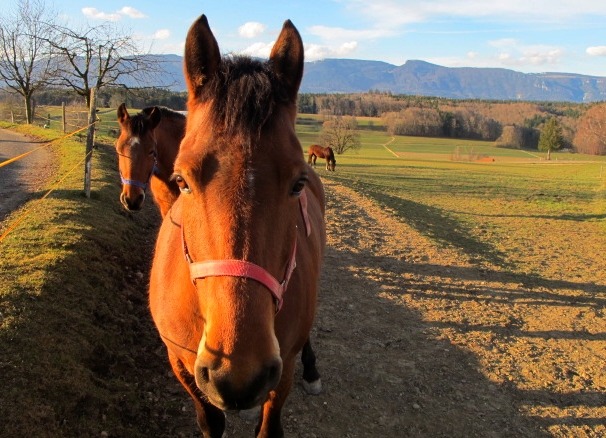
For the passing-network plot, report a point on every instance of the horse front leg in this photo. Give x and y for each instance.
(311, 377)
(210, 419)
(270, 423)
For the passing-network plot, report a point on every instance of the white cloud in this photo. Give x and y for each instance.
(259, 50)
(131, 12)
(513, 53)
(251, 29)
(161, 34)
(332, 33)
(596, 51)
(315, 52)
(96, 14)
(391, 14)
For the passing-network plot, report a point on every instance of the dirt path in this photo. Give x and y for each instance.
(414, 342)
(21, 178)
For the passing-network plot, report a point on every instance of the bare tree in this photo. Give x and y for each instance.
(101, 56)
(341, 134)
(26, 64)
(590, 137)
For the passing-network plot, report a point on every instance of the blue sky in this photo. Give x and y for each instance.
(530, 36)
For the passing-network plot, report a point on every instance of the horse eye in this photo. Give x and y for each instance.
(299, 186)
(183, 186)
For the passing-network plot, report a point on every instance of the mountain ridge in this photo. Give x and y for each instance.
(417, 77)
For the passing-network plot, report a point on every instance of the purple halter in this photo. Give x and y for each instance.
(142, 185)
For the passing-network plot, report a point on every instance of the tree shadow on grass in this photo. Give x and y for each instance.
(80, 354)
(384, 363)
(442, 228)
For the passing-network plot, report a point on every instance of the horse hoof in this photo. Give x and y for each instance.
(313, 388)
(250, 414)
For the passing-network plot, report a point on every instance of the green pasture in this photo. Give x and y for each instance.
(508, 213)
(507, 208)
(77, 117)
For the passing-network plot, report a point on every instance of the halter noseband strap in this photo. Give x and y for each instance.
(136, 183)
(245, 269)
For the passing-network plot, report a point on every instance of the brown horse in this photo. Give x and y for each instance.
(316, 151)
(234, 280)
(147, 147)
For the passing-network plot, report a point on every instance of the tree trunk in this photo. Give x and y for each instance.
(90, 141)
(29, 113)
(87, 96)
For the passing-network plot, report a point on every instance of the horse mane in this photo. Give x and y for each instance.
(243, 92)
(331, 153)
(138, 122)
(164, 111)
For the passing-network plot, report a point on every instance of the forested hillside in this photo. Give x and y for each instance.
(515, 124)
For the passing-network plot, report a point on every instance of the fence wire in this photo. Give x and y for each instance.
(35, 203)
(4, 163)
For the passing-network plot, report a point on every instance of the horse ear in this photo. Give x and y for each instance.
(202, 56)
(287, 57)
(122, 114)
(154, 117)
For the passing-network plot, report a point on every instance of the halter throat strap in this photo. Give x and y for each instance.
(246, 269)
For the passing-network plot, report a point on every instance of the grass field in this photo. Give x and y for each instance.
(476, 206)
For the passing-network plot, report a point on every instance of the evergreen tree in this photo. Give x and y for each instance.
(551, 138)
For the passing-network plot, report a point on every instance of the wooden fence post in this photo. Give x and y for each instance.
(63, 117)
(90, 140)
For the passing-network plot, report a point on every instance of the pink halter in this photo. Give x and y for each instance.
(245, 269)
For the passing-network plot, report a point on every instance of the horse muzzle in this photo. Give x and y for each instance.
(132, 203)
(231, 387)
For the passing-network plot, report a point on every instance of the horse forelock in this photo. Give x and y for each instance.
(138, 125)
(244, 94)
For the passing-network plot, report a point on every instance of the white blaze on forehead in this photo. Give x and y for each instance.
(133, 147)
(134, 141)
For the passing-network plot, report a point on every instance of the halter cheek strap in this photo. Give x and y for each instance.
(136, 183)
(245, 269)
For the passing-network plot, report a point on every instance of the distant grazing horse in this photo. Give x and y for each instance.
(234, 280)
(147, 147)
(316, 151)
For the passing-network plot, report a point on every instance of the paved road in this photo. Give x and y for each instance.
(21, 179)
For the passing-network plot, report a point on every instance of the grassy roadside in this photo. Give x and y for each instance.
(75, 336)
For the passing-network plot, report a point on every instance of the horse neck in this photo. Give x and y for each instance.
(168, 138)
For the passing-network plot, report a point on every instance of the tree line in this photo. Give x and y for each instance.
(513, 124)
(39, 52)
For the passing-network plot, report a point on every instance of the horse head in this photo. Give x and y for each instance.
(241, 174)
(137, 152)
(331, 163)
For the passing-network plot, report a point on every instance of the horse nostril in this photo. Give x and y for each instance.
(203, 375)
(274, 372)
